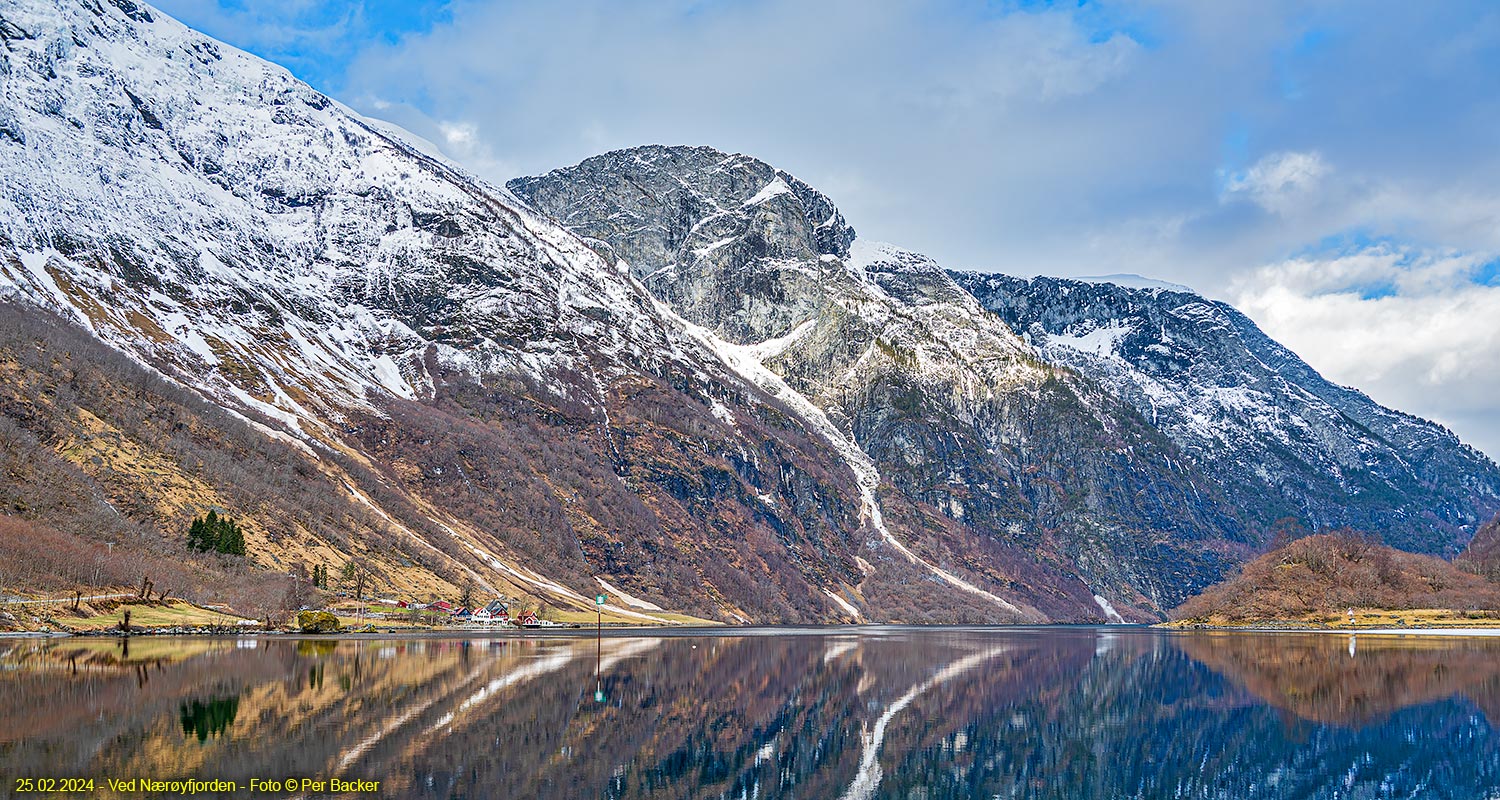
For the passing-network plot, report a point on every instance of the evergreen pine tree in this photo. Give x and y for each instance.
(196, 538)
(232, 539)
(212, 535)
(217, 534)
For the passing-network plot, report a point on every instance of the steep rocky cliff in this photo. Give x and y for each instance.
(1279, 438)
(699, 392)
(941, 399)
(507, 408)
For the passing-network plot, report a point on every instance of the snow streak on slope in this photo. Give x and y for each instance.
(323, 276)
(745, 360)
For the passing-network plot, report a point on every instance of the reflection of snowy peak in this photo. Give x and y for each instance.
(1253, 412)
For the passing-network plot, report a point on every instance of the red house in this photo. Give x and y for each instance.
(496, 611)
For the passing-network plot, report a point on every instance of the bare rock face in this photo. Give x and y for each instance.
(938, 397)
(724, 240)
(496, 402)
(1278, 439)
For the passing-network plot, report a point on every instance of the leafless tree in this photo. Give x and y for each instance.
(358, 574)
(298, 593)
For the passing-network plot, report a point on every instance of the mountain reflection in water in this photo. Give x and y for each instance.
(824, 713)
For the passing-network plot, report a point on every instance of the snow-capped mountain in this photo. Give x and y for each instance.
(499, 403)
(940, 397)
(1279, 438)
(537, 420)
(699, 392)
(1135, 434)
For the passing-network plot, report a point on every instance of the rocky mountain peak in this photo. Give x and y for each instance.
(704, 183)
(1267, 426)
(724, 238)
(944, 409)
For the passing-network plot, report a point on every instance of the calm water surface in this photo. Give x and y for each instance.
(826, 713)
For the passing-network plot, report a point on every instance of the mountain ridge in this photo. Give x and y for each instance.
(896, 354)
(703, 389)
(1263, 420)
(233, 230)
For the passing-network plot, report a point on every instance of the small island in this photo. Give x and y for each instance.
(1346, 580)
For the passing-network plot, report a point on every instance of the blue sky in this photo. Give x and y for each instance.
(1330, 168)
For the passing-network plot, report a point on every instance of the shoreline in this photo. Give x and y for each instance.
(618, 630)
(1382, 631)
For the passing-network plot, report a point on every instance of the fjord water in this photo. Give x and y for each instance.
(804, 713)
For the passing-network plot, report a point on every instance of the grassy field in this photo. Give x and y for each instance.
(174, 613)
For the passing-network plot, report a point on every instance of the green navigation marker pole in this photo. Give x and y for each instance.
(599, 646)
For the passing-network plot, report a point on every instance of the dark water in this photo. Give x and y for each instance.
(899, 713)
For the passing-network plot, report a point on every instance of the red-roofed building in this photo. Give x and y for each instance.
(496, 611)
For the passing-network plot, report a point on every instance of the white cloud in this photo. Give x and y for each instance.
(1410, 328)
(459, 134)
(466, 144)
(1280, 183)
(912, 99)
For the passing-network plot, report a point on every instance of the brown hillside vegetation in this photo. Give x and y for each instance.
(1482, 557)
(1330, 572)
(104, 465)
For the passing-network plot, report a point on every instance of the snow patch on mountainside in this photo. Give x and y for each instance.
(775, 188)
(842, 603)
(626, 597)
(1100, 341)
(1133, 281)
(745, 360)
(1109, 609)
